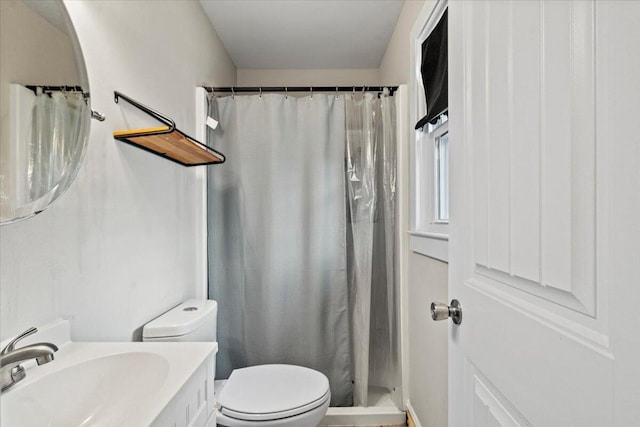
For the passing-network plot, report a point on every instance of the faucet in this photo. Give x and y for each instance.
(11, 372)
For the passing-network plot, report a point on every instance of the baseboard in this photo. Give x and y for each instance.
(412, 418)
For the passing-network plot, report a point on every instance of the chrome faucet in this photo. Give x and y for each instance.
(11, 372)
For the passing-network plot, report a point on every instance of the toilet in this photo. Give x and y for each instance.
(263, 395)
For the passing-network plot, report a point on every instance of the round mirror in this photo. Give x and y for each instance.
(45, 110)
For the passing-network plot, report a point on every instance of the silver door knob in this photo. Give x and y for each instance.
(440, 311)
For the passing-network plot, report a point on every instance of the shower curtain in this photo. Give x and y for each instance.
(276, 227)
(301, 222)
(371, 183)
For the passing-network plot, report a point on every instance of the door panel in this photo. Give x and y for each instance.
(552, 377)
(529, 247)
(534, 167)
(525, 148)
(490, 407)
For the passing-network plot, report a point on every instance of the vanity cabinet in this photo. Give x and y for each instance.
(194, 404)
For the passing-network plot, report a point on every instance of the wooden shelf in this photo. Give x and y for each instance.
(167, 141)
(173, 145)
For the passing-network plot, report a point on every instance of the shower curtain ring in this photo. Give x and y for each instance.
(233, 93)
(336, 91)
(286, 93)
(353, 94)
(260, 92)
(311, 88)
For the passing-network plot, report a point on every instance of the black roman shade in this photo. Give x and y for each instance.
(434, 70)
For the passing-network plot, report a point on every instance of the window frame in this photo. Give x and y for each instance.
(427, 235)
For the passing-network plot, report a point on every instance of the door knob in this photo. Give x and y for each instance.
(440, 311)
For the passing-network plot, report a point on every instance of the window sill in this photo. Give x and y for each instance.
(433, 245)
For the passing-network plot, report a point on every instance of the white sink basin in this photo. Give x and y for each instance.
(102, 384)
(96, 392)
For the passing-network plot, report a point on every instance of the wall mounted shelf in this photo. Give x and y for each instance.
(167, 141)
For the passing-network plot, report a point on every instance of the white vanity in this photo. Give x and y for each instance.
(113, 384)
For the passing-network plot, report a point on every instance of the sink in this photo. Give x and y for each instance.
(103, 391)
(108, 384)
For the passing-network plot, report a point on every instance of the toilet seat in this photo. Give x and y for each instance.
(311, 418)
(271, 392)
(275, 415)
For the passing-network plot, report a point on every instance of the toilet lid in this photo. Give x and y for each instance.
(268, 392)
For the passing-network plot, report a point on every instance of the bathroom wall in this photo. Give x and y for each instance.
(122, 245)
(428, 353)
(425, 278)
(308, 77)
(395, 67)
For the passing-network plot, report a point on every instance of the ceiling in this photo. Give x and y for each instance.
(304, 33)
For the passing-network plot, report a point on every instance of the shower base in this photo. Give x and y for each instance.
(381, 412)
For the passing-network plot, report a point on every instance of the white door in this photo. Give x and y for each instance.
(545, 214)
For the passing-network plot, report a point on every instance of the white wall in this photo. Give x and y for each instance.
(428, 353)
(395, 67)
(308, 77)
(425, 278)
(121, 245)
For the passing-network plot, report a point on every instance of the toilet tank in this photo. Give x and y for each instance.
(193, 320)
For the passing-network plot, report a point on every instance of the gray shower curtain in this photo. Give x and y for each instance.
(277, 235)
(302, 234)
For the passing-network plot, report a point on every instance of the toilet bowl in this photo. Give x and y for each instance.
(263, 395)
(274, 396)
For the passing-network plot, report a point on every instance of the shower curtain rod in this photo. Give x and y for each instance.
(48, 89)
(258, 89)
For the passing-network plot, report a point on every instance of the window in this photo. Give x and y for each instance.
(431, 212)
(430, 141)
(441, 168)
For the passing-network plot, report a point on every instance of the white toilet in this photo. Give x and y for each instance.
(264, 395)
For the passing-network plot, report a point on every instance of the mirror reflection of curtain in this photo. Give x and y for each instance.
(45, 150)
(371, 184)
(276, 227)
(55, 141)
